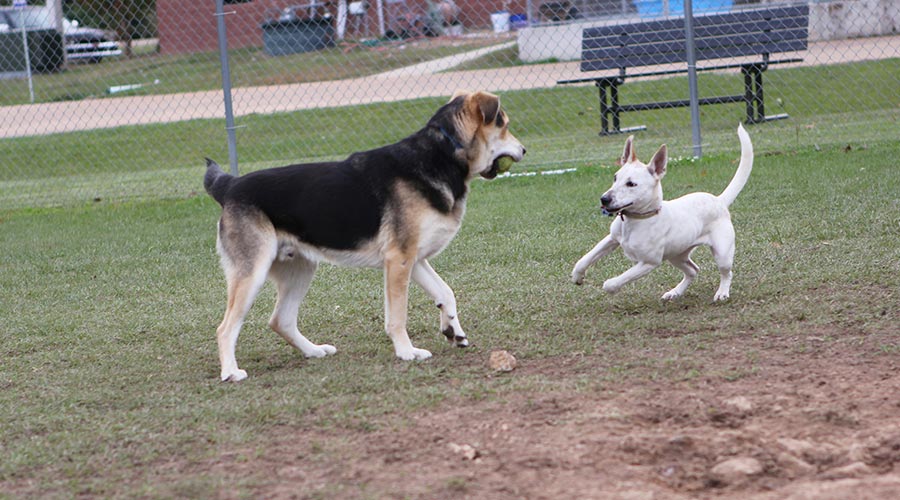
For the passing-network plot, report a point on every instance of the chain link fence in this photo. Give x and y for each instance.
(104, 100)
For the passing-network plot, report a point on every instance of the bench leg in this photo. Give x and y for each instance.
(609, 108)
(754, 96)
(606, 89)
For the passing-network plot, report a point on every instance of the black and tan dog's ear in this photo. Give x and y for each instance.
(487, 105)
(628, 154)
(459, 93)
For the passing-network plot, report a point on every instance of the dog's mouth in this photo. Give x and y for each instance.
(499, 165)
(613, 211)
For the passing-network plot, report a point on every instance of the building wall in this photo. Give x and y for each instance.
(190, 26)
(186, 27)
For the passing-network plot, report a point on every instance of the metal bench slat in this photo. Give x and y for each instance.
(796, 29)
(791, 17)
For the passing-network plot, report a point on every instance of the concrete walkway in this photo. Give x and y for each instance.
(423, 80)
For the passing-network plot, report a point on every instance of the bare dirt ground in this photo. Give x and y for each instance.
(798, 417)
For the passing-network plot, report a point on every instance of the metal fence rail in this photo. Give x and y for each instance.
(122, 100)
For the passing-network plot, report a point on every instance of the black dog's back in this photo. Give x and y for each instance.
(341, 205)
(329, 205)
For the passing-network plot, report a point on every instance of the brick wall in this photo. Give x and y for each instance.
(190, 26)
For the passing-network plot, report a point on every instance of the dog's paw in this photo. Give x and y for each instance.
(577, 276)
(234, 376)
(413, 354)
(671, 295)
(455, 338)
(720, 297)
(610, 286)
(320, 351)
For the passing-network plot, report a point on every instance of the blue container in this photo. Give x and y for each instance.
(654, 8)
(290, 36)
(518, 21)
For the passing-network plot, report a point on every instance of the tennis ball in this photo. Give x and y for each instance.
(504, 163)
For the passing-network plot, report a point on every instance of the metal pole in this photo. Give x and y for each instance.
(226, 87)
(27, 55)
(692, 76)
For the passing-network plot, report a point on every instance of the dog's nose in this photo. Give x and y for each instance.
(524, 150)
(605, 200)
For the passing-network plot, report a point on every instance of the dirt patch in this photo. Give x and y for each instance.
(809, 420)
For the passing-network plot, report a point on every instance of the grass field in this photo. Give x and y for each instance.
(108, 380)
(109, 299)
(559, 126)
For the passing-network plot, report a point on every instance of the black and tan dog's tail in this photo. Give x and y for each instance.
(216, 181)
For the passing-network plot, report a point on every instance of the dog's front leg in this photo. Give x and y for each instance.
(397, 272)
(434, 286)
(636, 271)
(602, 249)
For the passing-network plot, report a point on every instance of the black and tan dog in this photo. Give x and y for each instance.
(391, 207)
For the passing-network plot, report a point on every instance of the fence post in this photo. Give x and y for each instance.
(692, 76)
(226, 86)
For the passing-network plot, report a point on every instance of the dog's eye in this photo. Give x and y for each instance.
(630, 184)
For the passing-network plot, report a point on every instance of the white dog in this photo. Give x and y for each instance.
(651, 230)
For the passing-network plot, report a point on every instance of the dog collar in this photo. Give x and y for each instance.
(642, 215)
(453, 140)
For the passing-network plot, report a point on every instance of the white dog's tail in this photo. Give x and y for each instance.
(743, 172)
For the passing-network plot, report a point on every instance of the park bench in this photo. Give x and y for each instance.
(736, 34)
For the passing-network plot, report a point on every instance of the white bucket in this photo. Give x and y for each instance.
(500, 20)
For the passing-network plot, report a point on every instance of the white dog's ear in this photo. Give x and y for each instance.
(629, 155)
(657, 165)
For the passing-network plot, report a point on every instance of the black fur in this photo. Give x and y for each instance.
(340, 205)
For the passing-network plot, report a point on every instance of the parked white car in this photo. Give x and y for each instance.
(82, 43)
(91, 44)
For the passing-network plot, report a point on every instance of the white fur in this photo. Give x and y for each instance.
(651, 230)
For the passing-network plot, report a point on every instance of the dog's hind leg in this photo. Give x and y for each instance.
(723, 253)
(292, 279)
(690, 270)
(434, 286)
(398, 267)
(244, 282)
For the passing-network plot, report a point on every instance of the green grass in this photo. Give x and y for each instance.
(558, 125)
(109, 363)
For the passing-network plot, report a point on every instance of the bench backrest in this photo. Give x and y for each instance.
(735, 34)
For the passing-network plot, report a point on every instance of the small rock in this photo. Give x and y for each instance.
(735, 470)
(815, 453)
(681, 441)
(856, 469)
(467, 452)
(793, 466)
(796, 446)
(502, 361)
(740, 403)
